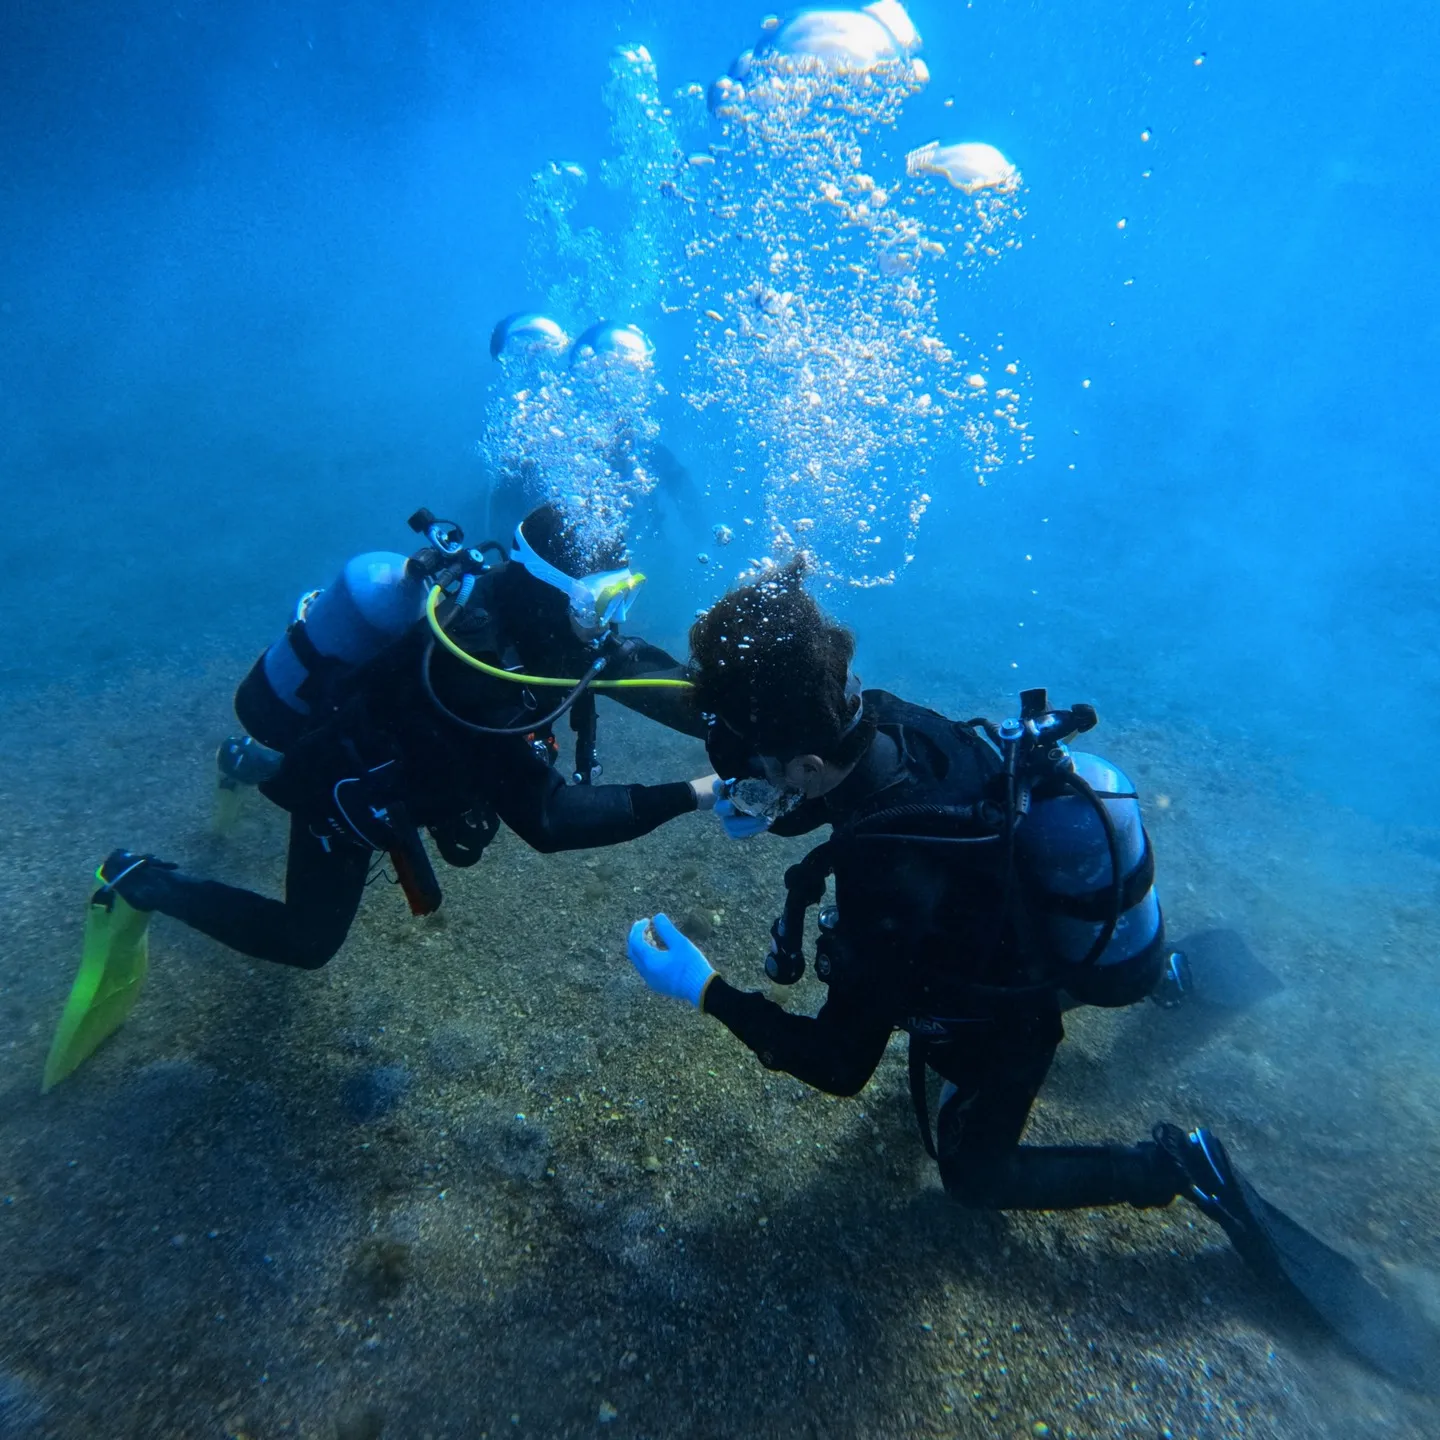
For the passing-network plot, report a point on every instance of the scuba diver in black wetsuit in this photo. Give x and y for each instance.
(403, 699)
(985, 878)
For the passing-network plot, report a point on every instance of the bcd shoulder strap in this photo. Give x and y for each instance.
(916, 1064)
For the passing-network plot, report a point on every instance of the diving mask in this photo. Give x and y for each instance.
(733, 752)
(596, 601)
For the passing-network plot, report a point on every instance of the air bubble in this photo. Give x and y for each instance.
(814, 274)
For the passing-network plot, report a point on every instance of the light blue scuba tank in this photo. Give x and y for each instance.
(372, 603)
(1063, 854)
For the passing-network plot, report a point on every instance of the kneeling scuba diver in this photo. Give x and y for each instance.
(407, 697)
(985, 878)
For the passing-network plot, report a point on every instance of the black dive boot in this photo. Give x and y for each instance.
(1211, 1184)
(141, 881)
(1393, 1338)
(243, 760)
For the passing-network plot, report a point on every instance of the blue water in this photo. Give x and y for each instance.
(250, 258)
(250, 263)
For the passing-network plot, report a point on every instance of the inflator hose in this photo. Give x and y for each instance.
(530, 727)
(1083, 788)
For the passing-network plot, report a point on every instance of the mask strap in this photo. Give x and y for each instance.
(719, 719)
(616, 588)
(852, 692)
(524, 553)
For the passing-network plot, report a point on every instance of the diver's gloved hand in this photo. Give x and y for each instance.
(738, 825)
(675, 966)
(707, 790)
(139, 880)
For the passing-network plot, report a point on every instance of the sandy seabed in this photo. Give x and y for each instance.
(471, 1179)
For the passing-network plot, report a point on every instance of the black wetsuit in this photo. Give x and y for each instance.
(923, 933)
(453, 782)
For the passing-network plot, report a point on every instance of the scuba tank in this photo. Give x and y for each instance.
(1089, 880)
(374, 600)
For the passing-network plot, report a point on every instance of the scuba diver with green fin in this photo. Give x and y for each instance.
(986, 877)
(411, 695)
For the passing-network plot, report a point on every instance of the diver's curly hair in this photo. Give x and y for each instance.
(773, 667)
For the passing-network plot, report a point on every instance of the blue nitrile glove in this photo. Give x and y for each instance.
(737, 826)
(675, 967)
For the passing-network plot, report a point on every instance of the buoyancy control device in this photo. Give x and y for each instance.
(300, 682)
(1061, 837)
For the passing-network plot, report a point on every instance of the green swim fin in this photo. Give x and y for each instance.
(228, 799)
(112, 965)
(243, 763)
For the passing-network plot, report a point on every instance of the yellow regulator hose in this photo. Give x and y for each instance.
(465, 657)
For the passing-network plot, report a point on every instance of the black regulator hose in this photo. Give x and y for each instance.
(530, 726)
(972, 815)
(1083, 788)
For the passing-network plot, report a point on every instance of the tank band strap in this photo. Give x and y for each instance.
(1095, 907)
(304, 646)
(919, 1048)
(320, 670)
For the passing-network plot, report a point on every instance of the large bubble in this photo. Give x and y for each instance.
(529, 335)
(841, 41)
(610, 345)
(969, 167)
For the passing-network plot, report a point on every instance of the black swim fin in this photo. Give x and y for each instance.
(1393, 1338)
(1223, 972)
